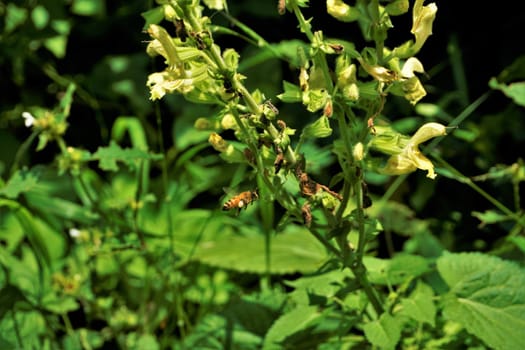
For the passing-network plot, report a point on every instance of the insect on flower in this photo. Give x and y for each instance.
(241, 200)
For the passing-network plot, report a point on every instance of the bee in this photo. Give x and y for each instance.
(241, 200)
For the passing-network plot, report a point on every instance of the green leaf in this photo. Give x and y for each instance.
(397, 270)
(59, 305)
(490, 217)
(519, 242)
(21, 181)
(40, 17)
(88, 7)
(399, 218)
(294, 250)
(383, 333)
(290, 323)
(9, 295)
(14, 16)
(57, 45)
(134, 128)
(486, 296)
(420, 305)
(153, 16)
(25, 329)
(292, 93)
(516, 91)
(132, 157)
(318, 129)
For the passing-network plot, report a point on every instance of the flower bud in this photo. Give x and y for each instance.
(342, 11)
(397, 7)
(228, 122)
(217, 142)
(358, 152)
(351, 92)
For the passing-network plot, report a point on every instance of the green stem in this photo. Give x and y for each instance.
(21, 151)
(303, 24)
(462, 178)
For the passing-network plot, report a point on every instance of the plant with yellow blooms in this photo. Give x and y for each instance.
(252, 192)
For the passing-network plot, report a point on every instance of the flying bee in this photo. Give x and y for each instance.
(241, 200)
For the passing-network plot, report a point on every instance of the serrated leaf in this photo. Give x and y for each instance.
(486, 296)
(288, 324)
(21, 181)
(294, 250)
(420, 305)
(108, 157)
(383, 333)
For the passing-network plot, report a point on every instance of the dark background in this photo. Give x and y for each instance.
(489, 37)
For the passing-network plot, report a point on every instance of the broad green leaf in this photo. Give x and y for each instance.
(294, 250)
(486, 296)
(59, 305)
(142, 341)
(399, 269)
(384, 332)
(33, 228)
(25, 329)
(290, 323)
(420, 305)
(399, 218)
(23, 275)
(326, 284)
(108, 157)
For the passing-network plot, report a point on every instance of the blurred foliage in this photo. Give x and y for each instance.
(111, 233)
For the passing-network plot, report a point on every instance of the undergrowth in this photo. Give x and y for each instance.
(278, 213)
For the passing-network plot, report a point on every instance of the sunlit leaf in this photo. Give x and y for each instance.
(290, 323)
(486, 296)
(420, 305)
(294, 250)
(384, 332)
(396, 270)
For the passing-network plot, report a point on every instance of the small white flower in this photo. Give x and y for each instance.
(29, 120)
(74, 232)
